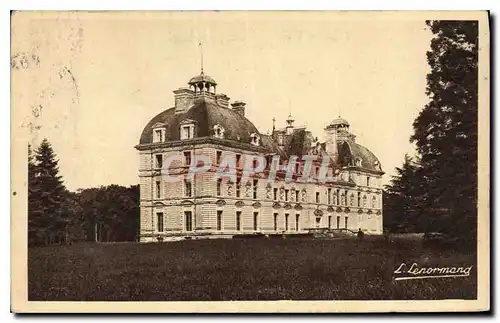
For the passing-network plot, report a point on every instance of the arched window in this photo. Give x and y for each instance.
(374, 202)
(364, 200)
(255, 139)
(218, 131)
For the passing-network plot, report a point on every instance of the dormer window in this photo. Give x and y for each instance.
(255, 139)
(187, 129)
(159, 132)
(359, 162)
(218, 131)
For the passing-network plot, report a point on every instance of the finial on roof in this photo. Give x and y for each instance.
(201, 55)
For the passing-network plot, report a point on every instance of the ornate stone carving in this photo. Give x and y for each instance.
(248, 187)
(256, 205)
(287, 206)
(268, 191)
(220, 202)
(276, 205)
(318, 212)
(298, 207)
(239, 204)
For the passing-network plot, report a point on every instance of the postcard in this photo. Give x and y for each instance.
(250, 161)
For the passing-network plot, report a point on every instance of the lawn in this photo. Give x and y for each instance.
(244, 269)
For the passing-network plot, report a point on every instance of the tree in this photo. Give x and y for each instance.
(110, 213)
(445, 131)
(46, 195)
(34, 206)
(402, 205)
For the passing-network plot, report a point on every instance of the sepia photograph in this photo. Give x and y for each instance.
(239, 161)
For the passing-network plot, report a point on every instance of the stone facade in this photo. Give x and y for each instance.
(204, 206)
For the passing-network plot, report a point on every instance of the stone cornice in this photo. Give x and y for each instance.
(203, 140)
(366, 170)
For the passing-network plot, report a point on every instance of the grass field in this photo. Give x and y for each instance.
(253, 269)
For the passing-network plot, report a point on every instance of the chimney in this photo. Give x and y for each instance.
(239, 107)
(331, 141)
(183, 99)
(222, 100)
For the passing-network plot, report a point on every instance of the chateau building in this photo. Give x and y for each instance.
(204, 123)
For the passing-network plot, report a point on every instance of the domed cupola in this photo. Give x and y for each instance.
(203, 84)
(339, 123)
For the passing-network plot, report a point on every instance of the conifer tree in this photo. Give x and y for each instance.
(445, 131)
(46, 196)
(402, 204)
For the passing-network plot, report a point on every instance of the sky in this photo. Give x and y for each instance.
(91, 81)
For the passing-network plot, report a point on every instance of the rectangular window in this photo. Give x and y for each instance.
(219, 187)
(255, 185)
(338, 197)
(158, 189)
(367, 180)
(238, 187)
(238, 159)
(159, 161)
(219, 220)
(329, 222)
(317, 197)
(296, 195)
(159, 219)
(255, 220)
(346, 218)
(187, 188)
(188, 221)
(275, 193)
(297, 221)
(238, 220)
(275, 221)
(317, 171)
(345, 197)
(297, 165)
(218, 157)
(158, 135)
(187, 132)
(338, 222)
(286, 221)
(187, 158)
(329, 196)
(286, 194)
(359, 199)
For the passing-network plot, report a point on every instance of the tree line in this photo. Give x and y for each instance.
(59, 216)
(436, 190)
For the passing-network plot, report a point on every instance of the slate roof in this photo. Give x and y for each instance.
(206, 114)
(349, 151)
